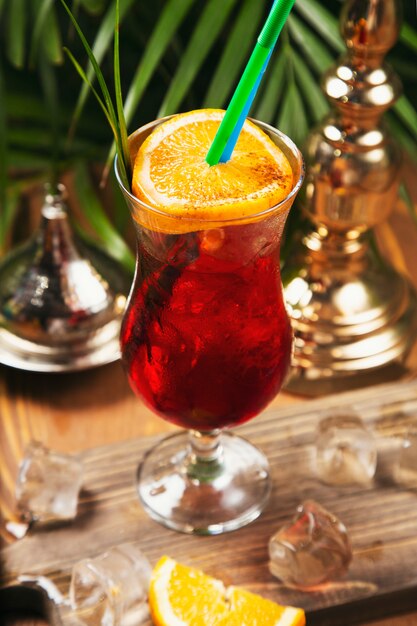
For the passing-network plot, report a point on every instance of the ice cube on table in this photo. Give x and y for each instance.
(312, 549)
(112, 588)
(346, 451)
(406, 467)
(48, 485)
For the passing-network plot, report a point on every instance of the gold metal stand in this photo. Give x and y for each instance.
(353, 315)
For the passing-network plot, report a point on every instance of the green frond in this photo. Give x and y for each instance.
(166, 26)
(124, 144)
(211, 39)
(272, 91)
(315, 52)
(10, 206)
(100, 47)
(15, 35)
(212, 20)
(97, 218)
(292, 118)
(402, 135)
(313, 95)
(238, 46)
(172, 16)
(50, 90)
(407, 114)
(95, 7)
(408, 36)
(46, 33)
(322, 21)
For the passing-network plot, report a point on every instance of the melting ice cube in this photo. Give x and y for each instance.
(406, 468)
(112, 588)
(48, 485)
(345, 451)
(313, 548)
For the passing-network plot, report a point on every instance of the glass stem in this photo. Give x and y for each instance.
(205, 457)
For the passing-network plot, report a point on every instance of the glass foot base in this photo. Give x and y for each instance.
(230, 493)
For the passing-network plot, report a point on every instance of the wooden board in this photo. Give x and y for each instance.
(381, 519)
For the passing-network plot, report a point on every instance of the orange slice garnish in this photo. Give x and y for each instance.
(185, 596)
(171, 174)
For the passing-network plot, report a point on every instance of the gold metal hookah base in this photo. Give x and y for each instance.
(354, 320)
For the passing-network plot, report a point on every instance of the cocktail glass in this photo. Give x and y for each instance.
(206, 343)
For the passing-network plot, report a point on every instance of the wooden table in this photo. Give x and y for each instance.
(77, 411)
(73, 412)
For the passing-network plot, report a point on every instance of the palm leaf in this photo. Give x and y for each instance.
(38, 139)
(211, 22)
(272, 91)
(28, 162)
(323, 22)
(402, 135)
(406, 68)
(292, 100)
(119, 101)
(238, 46)
(41, 9)
(169, 21)
(8, 214)
(51, 41)
(97, 71)
(111, 120)
(94, 213)
(408, 36)
(26, 108)
(292, 118)
(315, 52)
(313, 95)
(31, 137)
(100, 47)
(50, 91)
(93, 6)
(407, 114)
(107, 106)
(15, 40)
(171, 18)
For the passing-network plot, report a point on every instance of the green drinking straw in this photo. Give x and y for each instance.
(264, 45)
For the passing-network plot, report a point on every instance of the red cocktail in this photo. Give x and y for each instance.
(205, 339)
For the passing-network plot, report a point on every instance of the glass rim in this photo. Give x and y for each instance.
(215, 220)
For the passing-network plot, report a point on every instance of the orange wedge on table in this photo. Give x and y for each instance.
(171, 174)
(184, 596)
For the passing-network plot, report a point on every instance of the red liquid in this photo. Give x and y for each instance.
(206, 340)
